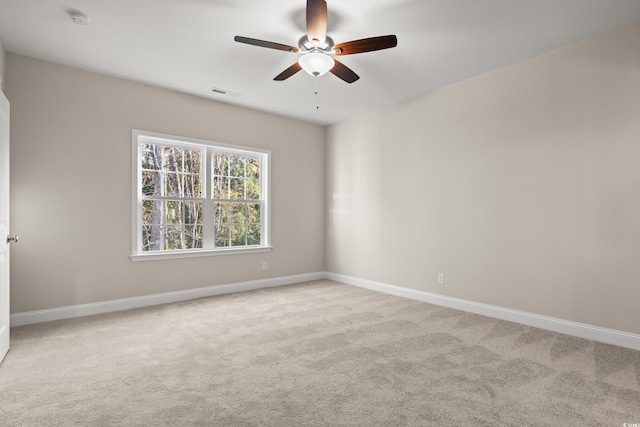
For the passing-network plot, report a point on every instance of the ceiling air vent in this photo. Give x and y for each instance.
(219, 91)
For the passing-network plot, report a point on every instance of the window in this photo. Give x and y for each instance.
(195, 197)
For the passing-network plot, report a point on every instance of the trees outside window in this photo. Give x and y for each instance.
(198, 197)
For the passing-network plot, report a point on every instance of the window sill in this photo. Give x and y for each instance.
(195, 254)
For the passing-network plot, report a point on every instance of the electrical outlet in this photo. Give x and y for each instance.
(265, 267)
(440, 278)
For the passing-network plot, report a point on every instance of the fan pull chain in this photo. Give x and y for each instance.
(317, 90)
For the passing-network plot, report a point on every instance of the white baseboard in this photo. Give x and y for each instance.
(27, 318)
(609, 336)
(595, 333)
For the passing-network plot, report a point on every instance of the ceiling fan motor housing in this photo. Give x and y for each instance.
(307, 45)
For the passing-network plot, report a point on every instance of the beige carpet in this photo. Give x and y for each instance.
(313, 354)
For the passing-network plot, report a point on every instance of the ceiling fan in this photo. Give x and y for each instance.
(318, 49)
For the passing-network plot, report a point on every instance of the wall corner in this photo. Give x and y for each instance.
(2, 66)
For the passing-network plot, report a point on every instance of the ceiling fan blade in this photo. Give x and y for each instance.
(316, 20)
(263, 43)
(288, 72)
(344, 72)
(365, 45)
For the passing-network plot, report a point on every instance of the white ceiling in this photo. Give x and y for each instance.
(188, 46)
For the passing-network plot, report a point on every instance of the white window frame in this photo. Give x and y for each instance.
(139, 137)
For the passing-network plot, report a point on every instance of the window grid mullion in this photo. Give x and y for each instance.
(174, 198)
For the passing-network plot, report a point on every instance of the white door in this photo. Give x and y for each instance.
(4, 226)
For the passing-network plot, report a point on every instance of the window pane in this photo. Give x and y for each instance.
(238, 213)
(220, 187)
(192, 212)
(181, 185)
(253, 213)
(236, 166)
(193, 237)
(226, 213)
(220, 165)
(173, 237)
(151, 183)
(194, 161)
(222, 213)
(179, 212)
(236, 187)
(191, 185)
(253, 168)
(253, 234)
(172, 185)
(169, 162)
(253, 189)
(217, 213)
(152, 212)
(173, 213)
(177, 237)
(222, 235)
(150, 156)
(238, 235)
(151, 238)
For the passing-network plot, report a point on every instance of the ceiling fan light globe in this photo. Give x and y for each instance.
(316, 63)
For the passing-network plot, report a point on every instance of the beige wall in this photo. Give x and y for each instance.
(522, 185)
(71, 187)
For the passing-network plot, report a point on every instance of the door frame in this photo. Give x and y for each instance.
(4, 227)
